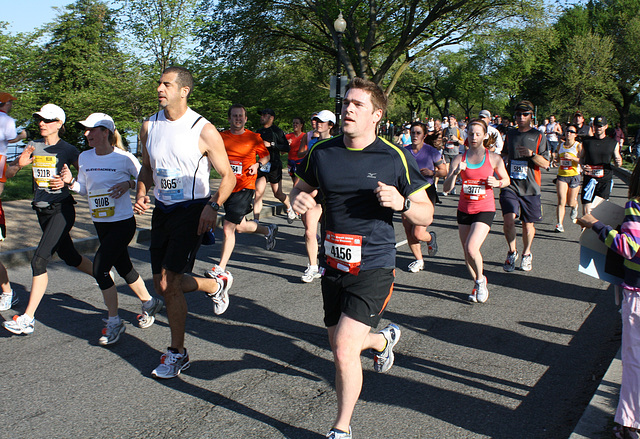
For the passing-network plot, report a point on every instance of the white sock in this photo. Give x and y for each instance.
(115, 319)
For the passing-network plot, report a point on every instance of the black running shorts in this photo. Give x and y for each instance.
(238, 205)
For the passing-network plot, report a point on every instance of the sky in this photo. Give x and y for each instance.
(24, 15)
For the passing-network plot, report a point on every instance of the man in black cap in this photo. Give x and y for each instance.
(276, 142)
(597, 152)
(526, 152)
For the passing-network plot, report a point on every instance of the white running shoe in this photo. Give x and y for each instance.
(291, 215)
(333, 434)
(482, 293)
(473, 297)
(148, 315)
(574, 214)
(214, 271)
(526, 263)
(171, 364)
(432, 246)
(510, 263)
(7, 300)
(221, 297)
(416, 266)
(310, 273)
(559, 229)
(382, 361)
(20, 324)
(112, 332)
(271, 236)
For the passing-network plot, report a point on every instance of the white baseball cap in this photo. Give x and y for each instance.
(99, 120)
(51, 112)
(325, 116)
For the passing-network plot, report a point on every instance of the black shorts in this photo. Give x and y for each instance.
(238, 205)
(527, 207)
(602, 190)
(480, 217)
(174, 238)
(363, 297)
(449, 157)
(432, 193)
(275, 174)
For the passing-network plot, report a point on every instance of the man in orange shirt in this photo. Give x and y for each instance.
(242, 147)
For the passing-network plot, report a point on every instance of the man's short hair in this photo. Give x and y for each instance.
(378, 97)
(183, 78)
(236, 106)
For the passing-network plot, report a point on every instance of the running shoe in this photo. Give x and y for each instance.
(112, 332)
(7, 300)
(20, 324)
(214, 271)
(559, 229)
(525, 264)
(171, 364)
(416, 266)
(482, 293)
(574, 214)
(510, 263)
(291, 215)
(382, 361)
(334, 434)
(621, 432)
(473, 297)
(432, 247)
(148, 315)
(310, 273)
(271, 236)
(220, 298)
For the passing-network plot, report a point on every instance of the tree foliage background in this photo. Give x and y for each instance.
(432, 57)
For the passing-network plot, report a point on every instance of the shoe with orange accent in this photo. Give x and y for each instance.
(171, 364)
(20, 324)
(383, 360)
(112, 332)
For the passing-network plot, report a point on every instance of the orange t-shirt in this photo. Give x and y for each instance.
(294, 145)
(242, 150)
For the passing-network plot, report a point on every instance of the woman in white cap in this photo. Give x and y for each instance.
(324, 121)
(54, 206)
(106, 174)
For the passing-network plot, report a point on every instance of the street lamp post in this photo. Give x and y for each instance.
(340, 25)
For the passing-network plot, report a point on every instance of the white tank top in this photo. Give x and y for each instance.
(180, 171)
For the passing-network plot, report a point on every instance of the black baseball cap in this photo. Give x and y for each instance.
(600, 121)
(267, 111)
(524, 106)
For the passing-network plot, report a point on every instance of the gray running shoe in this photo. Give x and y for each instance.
(111, 333)
(7, 300)
(525, 264)
(20, 325)
(221, 297)
(432, 246)
(382, 361)
(333, 434)
(147, 317)
(510, 263)
(171, 364)
(482, 293)
(271, 236)
(416, 266)
(574, 214)
(310, 274)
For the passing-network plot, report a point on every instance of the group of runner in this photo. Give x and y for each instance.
(356, 181)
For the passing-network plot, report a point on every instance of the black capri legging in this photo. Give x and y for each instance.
(114, 252)
(55, 221)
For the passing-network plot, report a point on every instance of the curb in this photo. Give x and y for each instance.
(14, 258)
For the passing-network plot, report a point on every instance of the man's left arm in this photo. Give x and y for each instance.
(212, 145)
(616, 155)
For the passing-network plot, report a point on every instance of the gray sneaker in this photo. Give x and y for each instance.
(432, 246)
(382, 361)
(7, 300)
(310, 274)
(525, 264)
(221, 297)
(213, 272)
(510, 263)
(171, 364)
(147, 317)
(111, 333)
(271, 236)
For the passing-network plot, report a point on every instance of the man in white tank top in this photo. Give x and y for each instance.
(178, 146)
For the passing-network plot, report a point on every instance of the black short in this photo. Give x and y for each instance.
(275, 174)
(363, 297)
(238, 205)
(480, 217)
(602, 189)
(174, 238)
(432, 193)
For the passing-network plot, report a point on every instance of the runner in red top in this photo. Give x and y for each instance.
(294, 139)
(477, 206)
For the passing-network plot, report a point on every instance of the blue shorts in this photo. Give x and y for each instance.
(527, 207)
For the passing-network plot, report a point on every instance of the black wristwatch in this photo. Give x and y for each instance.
(407, 205)
(215, 206)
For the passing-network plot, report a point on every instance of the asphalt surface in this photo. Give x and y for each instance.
(525, 364)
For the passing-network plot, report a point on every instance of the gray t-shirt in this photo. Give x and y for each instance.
(48, 161)
(524, 173)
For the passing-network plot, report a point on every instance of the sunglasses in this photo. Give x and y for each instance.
(40, 119)
(572, 132)
(526, 114)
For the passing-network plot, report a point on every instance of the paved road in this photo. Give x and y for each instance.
(523, 365)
